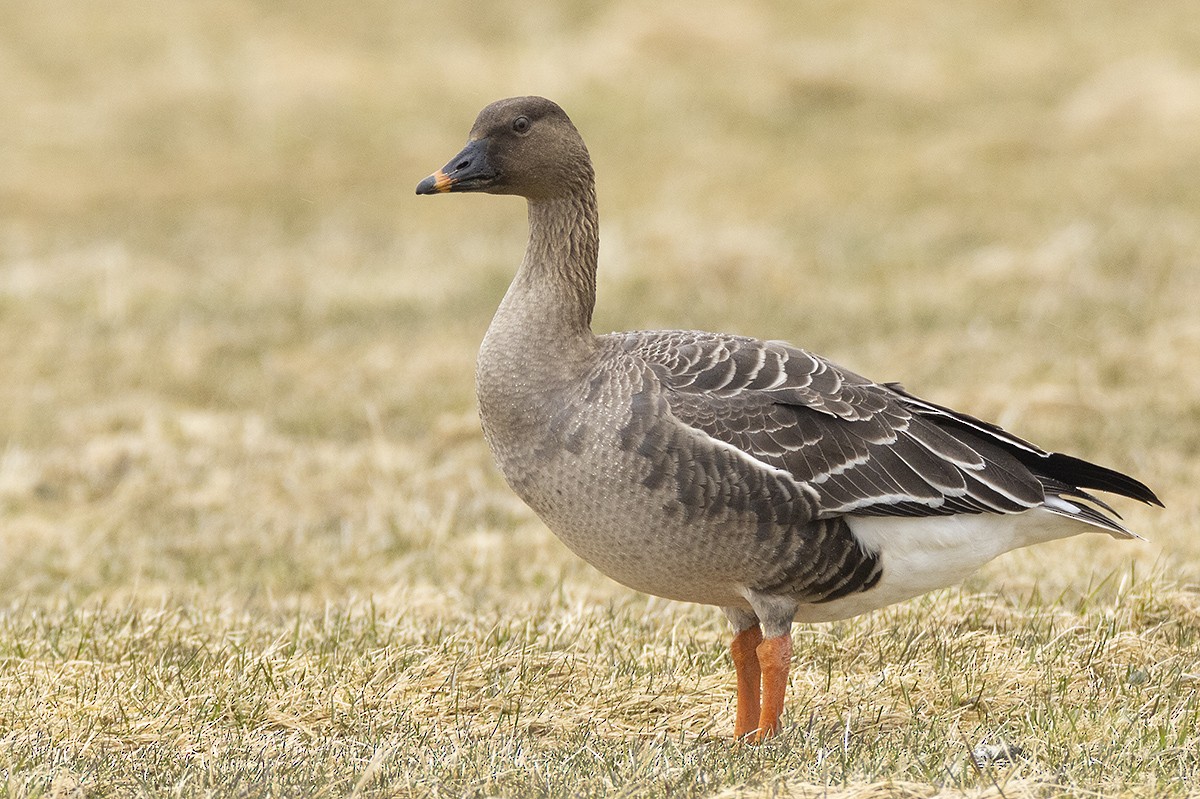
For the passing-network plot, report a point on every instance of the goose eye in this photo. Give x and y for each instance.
(521, 124)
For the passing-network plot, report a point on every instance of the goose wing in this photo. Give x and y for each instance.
(854, 445)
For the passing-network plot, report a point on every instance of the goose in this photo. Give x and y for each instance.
(725, 470)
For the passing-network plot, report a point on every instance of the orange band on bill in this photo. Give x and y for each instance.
(441, 182)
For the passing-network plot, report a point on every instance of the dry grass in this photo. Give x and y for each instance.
(251, 542)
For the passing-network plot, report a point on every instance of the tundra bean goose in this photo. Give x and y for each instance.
(724, 470)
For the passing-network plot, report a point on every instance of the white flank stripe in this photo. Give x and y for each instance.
(924, 554)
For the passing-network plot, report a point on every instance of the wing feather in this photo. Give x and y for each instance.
(854, 445)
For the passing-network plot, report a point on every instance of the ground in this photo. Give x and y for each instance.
(251, 541)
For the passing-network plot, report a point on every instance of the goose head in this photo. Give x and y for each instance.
(525, 146)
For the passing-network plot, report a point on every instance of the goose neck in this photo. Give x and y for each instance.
(559, 269)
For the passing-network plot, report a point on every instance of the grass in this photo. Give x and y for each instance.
(565, 696)
(251, 542)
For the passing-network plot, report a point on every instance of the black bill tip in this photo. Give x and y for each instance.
(437, 183)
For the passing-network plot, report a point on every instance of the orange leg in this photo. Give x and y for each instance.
(745, 661)
(774, 658)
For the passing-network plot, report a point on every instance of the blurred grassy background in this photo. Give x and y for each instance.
(237, 351)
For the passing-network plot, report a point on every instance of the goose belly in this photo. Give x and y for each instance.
(599, 509)
(649, 548)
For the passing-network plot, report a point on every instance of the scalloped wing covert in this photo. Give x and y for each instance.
(857, 446)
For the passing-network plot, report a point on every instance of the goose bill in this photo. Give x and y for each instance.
(467, 171)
